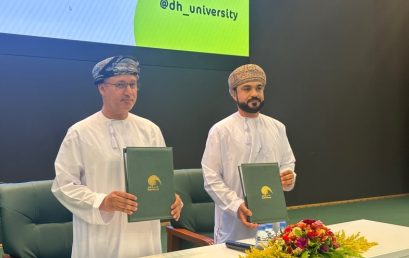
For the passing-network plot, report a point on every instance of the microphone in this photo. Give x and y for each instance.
(239, 246)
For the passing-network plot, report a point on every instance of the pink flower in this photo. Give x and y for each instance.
(324, 248)
(301, 243)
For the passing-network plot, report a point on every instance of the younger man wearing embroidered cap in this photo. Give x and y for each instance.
(90, 181)
(246, 136)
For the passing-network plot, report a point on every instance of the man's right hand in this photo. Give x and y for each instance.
(119, 201)
(242, 213)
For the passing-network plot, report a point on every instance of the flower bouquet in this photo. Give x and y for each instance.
(311, 238)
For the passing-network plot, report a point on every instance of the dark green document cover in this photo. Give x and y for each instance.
(149, 176)
(263, 192)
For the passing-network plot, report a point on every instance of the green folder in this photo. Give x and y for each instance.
(263, 192)
(149, 176)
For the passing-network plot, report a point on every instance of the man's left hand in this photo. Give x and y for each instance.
(176, 208)
(287, 178)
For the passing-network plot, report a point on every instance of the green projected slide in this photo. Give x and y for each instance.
(210, 26)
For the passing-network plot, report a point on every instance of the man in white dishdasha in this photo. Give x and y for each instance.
(89, 168)
(246, 136)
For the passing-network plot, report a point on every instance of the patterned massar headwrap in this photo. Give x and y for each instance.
(246, 73)
(113, 66)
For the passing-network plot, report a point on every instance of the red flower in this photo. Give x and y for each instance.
(309, 221)
(285, 237)
(312, 234)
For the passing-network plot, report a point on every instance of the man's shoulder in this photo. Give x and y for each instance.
(84, 126)
(86, 122)
(141, 121)
(271, 120)
(226, 126)
(272, 124)
(226, 121)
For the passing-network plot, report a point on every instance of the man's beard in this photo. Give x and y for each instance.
(246, 107)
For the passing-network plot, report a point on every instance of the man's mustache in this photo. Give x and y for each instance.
(254, 98)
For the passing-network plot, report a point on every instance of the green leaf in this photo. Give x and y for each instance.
(305, 254)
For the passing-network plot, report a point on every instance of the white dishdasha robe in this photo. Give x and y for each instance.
(89, 165)
(231, 142)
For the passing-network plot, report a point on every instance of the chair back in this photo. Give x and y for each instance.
(198, 210)
(34, 223)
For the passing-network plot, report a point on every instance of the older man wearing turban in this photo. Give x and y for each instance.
(246, 136)
(90, 179)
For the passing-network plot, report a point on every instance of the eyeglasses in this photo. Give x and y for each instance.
(124, 85)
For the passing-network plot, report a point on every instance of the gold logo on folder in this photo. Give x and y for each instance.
(153, 183)
(266, 192)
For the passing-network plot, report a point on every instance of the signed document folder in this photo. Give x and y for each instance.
(263, 192)
(149, 176)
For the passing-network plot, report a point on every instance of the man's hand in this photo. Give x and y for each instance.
(119, 201)
(287, 178)
(176, 207)
(242, 214)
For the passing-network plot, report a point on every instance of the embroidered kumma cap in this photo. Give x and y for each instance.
(246, 73)
(113, 66)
